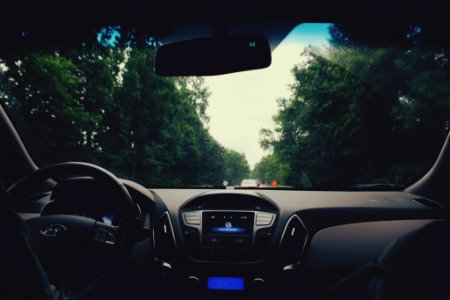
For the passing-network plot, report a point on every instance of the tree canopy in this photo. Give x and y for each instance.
(98, 99)
(369, 108)
(363, 110)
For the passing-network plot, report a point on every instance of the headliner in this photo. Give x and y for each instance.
(134, 12)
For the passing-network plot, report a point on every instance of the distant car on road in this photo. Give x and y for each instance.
(250, 183)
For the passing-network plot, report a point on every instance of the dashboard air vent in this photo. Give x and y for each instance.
(293, 240)
(164, 239)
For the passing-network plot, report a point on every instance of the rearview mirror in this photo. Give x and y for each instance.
(213, 56)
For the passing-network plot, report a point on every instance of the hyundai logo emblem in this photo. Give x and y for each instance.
(53, 230)
(228, 225)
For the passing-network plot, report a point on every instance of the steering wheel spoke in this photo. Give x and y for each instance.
(82, 275)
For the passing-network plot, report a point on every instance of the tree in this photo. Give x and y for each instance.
(97, 98)
(236, 167)
(271, 167)
(357, 110)
(47, 91)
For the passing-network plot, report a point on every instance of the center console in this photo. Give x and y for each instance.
(227, 240)
(228, 233)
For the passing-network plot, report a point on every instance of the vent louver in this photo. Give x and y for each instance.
(164, 240)
(293, 240)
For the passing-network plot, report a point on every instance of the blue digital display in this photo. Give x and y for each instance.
(226, 283)
(228, 230)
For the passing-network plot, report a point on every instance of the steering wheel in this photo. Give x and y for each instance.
(77, 251)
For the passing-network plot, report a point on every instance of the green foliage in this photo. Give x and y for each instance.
(236, 167)
(52, 103)
(362, 114)
(197, 93)
(357, 114)
(107, 106)
(270, 168)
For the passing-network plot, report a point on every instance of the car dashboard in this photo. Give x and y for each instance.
(244, 243)
(222, 243)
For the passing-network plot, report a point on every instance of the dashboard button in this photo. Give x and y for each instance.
(214, 240)
(240, 240)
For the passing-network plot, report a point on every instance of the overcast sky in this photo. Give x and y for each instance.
(243, 103)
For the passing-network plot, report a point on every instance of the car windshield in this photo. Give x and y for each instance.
(341, 106)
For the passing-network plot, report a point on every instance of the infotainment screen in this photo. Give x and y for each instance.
(228, 223)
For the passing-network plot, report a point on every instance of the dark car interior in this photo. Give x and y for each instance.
(74, 230)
